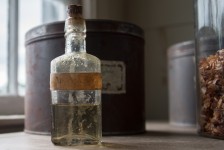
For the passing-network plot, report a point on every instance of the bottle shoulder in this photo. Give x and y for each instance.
(76, 56)
(76, 62)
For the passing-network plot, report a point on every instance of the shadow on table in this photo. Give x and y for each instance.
(116, 146)
(167, 133)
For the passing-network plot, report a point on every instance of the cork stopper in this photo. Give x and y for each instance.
(75, 22)
(74, 10)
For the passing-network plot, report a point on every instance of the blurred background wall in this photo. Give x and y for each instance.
(165, 23)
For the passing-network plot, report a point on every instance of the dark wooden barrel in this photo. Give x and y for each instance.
(119, 45)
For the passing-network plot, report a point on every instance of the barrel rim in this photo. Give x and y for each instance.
(181, 49)
(188, 48)
(45, 31)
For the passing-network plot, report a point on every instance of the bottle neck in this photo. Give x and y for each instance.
(75, 34)
(75, 42)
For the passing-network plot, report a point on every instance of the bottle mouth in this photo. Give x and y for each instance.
(75, 25)
(75, 34)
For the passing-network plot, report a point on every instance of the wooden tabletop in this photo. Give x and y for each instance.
(159, 136)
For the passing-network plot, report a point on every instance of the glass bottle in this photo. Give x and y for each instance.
(210, 67)
(76, 88)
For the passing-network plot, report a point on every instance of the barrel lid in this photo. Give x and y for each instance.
(56, 29)
(181, 49)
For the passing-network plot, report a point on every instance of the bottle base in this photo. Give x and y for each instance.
(66, 141)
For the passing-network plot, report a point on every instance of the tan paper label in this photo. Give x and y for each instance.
(114, 77)
(75, 81)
